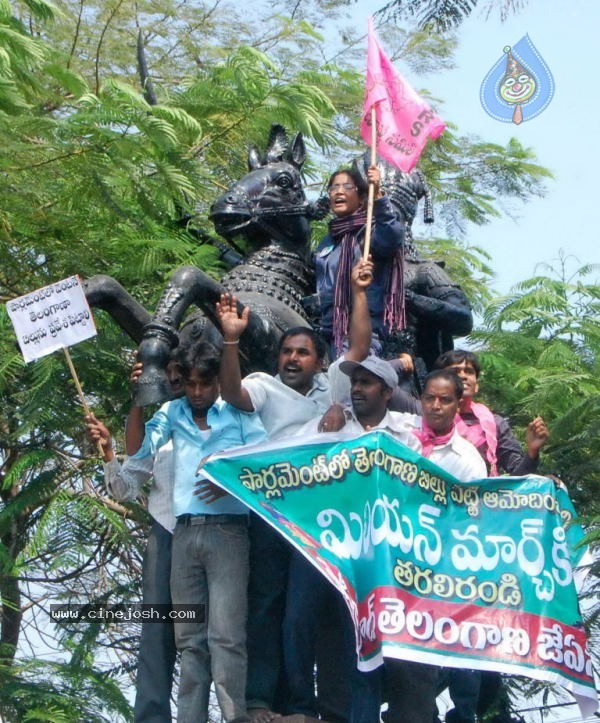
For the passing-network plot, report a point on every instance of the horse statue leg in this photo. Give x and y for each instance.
(103, 292)
(188, 285)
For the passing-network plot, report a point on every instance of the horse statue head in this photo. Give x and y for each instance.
(268, 204)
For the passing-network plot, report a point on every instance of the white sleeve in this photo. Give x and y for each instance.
(474, 467)
(309, 429)
(339, 384)
(256, 388)
(124, 482)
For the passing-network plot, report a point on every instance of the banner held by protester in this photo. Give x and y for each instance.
(51, 318)
(474, 575)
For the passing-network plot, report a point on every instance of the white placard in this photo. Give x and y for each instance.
(51, 318)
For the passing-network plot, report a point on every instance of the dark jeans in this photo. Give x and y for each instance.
(463, 687)
(334, 699)
(411, 691)
(367, 696)
(157, 652)
(494, 700)
(267, 587)
(311, 602)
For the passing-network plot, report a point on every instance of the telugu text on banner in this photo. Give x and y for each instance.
(475, 575)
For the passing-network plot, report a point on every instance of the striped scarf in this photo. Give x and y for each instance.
(346, 232)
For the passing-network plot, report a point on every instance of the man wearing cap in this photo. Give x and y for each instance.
(310, 596)
(373, 382)
(413, 685)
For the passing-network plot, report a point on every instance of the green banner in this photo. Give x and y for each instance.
(475, 575)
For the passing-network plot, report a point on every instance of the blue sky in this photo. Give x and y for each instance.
(564, 136)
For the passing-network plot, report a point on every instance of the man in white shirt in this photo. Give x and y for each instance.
(411, 688)
(157, 651)
(310, 596)
(437, 431)
(298, 393)
(373, 382)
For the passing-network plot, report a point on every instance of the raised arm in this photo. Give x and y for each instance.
(389, 231)
(123, 482)
(536, 437)
(134, 426)
(233, 326)
(511, 457)
(359, 337)
(359, 332)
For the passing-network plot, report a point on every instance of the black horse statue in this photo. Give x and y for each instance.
(269, 207)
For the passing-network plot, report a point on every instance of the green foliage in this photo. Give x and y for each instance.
(471, 178)
(95, 179)
(467, 265)
(20, 58)
(443, 15)
(40, 692)
(421, 50)
(540, 349)
(542, 356)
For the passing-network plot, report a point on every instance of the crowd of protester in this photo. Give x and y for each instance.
(278, 638)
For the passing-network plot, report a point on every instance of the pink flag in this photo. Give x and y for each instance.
(404, 120)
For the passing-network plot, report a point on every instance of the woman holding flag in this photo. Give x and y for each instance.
(342, 248)
(396, 123)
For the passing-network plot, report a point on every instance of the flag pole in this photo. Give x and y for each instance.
(84, 404)
(371, 196)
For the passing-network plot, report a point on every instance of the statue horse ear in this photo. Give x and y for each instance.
(254, 159)
(297, 151)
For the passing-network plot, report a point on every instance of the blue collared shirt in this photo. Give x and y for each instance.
(229, 428)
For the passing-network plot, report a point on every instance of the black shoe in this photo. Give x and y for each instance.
(453, 717)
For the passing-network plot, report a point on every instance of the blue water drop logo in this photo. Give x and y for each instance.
(519, 86)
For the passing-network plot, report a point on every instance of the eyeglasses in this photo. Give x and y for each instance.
(341, 186)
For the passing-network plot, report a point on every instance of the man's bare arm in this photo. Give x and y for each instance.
(233, 326)
(134, 430)
(134, 426)
(536, 437)
(98, 432)
(359, 331)
(359, 336)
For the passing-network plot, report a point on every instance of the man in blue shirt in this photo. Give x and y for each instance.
(157, 650)
(210, 542)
